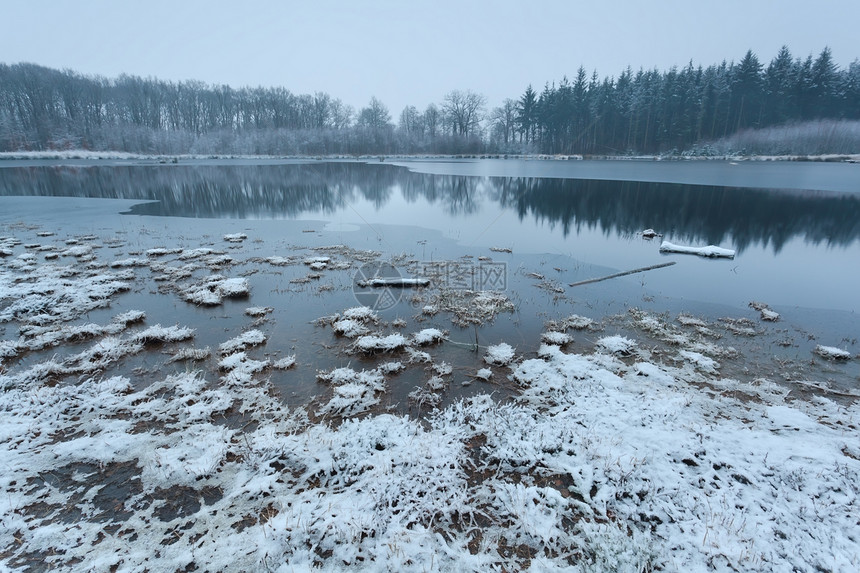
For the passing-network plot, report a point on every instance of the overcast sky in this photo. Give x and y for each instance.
(412, 51)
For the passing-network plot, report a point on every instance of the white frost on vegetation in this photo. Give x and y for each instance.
(353, 392)
(371, 343)
(577, 322)
(192, 354)
(361, 313)
(188, 254)
(130, 262)
(349, 327)
(597, 466)
(767, 313)
(556, 338)
(484, 374)
(499, 354)
(832, 352)
(258, 311)
(428, 336)
(243, 341)
(285, 363)
(618, 345)
(214, 289)
(700, 361)
(161, 252)
(50, 293)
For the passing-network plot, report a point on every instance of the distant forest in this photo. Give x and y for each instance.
(647, 111)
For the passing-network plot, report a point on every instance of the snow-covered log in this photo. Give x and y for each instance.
(395, 282)
(710, 251)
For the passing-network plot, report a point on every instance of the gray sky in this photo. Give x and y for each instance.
(412, 51)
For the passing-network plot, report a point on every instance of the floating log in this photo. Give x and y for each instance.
(625, 273)
(710, 251)
(395, 282)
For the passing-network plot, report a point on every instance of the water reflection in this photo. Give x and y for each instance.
(700, 214)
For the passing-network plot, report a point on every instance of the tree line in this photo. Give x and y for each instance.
(643, 112)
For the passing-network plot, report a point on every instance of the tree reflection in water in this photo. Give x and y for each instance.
(695, 213)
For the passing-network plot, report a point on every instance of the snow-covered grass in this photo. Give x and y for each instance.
(243, 341)
(618, 345)
(682, 480)
(371, 343)
(214, 289)
(832, 352)
(428, 336)
(813, 138)
(500, 354)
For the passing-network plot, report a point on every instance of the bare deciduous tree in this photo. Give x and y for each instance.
(464, 111)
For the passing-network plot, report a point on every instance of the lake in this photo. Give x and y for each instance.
(525, 228)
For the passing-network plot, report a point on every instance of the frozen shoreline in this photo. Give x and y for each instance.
(632, 455)
(167, 158)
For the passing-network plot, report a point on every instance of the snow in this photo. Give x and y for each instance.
(622, 459)
(395, 282)
(349, 327)
(161, 252)
(214, 289)
(258, 311)
(577, 322)
(700, 361)
(556, 338)
(246, 339)
(832, 352)
(130, 262)
(767, 314)
(372, 343)
(193, 354)
(682, 480)
(158, 333)
(428, 336)
(710, 251)
(354, 392)
(361, 313)
(484, 373)
(619, 345)
(499, 354)
(285, 363)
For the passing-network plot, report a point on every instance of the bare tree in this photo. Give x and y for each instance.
(504, 121)
(464, 111)
(321, 110)
(375, 116)
(431, 120)
(341, 114)
(411, 123)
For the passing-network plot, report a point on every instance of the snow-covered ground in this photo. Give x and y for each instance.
(627, 456)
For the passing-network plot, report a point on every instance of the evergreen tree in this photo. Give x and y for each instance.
(780, 95)
(747, 93)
